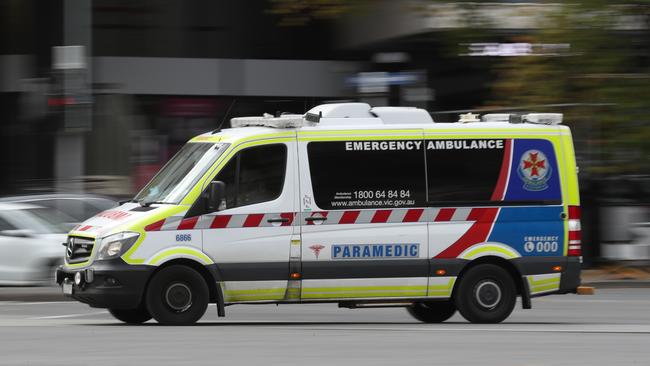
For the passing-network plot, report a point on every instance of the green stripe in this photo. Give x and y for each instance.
(255, 291)
(442, 290)
(180, 251)
(364, 288)
(255, 294)
(545, 288)
(253, 297)
(533, 282)
(439, 293)
(361, 294)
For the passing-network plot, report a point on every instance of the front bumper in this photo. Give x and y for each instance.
(108, 284)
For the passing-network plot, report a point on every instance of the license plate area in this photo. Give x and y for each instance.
(67, 287)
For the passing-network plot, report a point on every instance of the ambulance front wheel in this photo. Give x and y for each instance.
(177, 295)
(131, 316)
(486, 294)
(432, 311)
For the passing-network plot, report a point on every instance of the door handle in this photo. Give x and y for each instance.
(279, 219)
(315, 218)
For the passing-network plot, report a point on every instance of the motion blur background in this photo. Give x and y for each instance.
(95, 95)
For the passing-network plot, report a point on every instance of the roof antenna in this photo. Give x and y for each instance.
(225, 116)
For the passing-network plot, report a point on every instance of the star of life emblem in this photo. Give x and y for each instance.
(534, 170)
(316, 248)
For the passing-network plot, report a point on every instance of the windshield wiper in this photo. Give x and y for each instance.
(144, 203)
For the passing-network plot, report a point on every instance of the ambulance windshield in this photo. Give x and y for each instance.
(180, 174)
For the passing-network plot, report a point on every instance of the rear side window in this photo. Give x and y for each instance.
(367, 174)
(463, 170)
(254, 175)
(492, 171)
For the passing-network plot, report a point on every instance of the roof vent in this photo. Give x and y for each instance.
(543, 118)
(402, 115)
(468, 117)
(342, 110)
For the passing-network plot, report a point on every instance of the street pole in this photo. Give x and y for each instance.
(72, 63)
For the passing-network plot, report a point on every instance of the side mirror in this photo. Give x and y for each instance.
(20, 233)
(216, 196)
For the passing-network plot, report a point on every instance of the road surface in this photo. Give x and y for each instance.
(610, 328)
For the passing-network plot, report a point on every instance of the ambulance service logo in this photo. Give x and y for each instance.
(316, 248)
(534, 170)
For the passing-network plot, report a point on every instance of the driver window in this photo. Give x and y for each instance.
(254, 175)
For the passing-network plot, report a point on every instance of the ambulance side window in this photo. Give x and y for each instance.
(254, 175)
(462, 175)
(367, 174)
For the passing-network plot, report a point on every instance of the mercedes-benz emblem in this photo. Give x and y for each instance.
(69, 247)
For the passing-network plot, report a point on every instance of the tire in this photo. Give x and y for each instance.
(486, 294)
(432, 311)
(177, 295)
(131, 316)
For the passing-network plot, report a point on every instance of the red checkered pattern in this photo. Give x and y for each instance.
(83, 228)
(330, 218)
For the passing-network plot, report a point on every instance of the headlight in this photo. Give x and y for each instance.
(115, 245)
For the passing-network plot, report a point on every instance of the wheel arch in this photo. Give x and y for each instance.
(208, 272)
(508, 265)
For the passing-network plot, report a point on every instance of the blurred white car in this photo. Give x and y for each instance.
(31, 240)
(76, 207)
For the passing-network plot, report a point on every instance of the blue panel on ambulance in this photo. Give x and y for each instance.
(532, 231)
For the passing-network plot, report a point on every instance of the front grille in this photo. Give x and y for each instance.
(78, 249)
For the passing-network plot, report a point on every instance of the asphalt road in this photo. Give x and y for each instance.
(610, 328)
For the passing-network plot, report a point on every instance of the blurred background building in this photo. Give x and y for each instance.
(95, 95)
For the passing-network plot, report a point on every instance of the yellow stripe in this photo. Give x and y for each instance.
(255, 291)
(232, 298)
(439, 293)
(490, 248)
(138, 226)
(353, 294)
(545, 288)
(355, 132)
(254, 294)
(194, 253)
(363, 291)
(544, 284)
(442, 289)
(213, 138)
(544, 281)
(363, 288)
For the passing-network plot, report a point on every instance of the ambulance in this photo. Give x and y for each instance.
(346, 204)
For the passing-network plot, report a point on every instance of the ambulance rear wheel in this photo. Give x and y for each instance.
(131, 316)
(177, 295)
(432, 311)
(486, 294)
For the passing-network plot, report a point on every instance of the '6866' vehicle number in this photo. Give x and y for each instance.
(183, 237)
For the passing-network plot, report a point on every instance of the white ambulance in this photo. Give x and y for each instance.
(348, 204)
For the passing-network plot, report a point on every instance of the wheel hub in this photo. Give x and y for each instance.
(178, 297)
(487, 293)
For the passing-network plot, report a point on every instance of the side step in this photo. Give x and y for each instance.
(369, 305)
